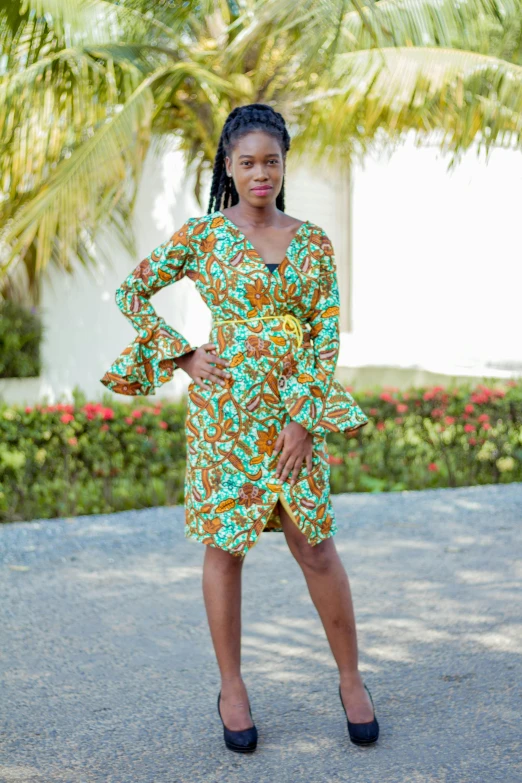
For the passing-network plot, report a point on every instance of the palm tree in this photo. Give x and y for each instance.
(86, 85)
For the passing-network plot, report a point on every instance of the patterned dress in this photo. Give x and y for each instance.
(278, 374)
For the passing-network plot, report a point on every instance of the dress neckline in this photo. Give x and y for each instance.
(247, 240)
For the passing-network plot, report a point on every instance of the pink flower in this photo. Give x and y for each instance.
(469, 408)
(433, 466)
(472, 441)
(469, 428)
(136, 413)
(108, 413)
(402, 408)
(486, 425)
(450, 420)
(483, 417)
(163, 425)
(66, 418)
(28, 409)
(72, 441)
(381, 425)
(128, 420)
(374, 411)
(141, 429)
(386, 397)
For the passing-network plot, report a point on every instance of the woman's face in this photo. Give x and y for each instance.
(257, 168)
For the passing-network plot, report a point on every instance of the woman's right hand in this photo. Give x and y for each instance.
(199, 364)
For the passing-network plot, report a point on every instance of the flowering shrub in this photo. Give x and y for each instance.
(435, 437)
(92, 458)
(89, 458)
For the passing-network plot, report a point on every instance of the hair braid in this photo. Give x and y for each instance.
(240, 121)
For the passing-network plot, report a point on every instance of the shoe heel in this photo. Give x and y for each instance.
(362, 733)
(239, 741)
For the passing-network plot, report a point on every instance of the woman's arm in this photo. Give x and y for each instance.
(149, 361)
(314, 398)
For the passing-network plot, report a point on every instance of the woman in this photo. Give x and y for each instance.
(261, 400)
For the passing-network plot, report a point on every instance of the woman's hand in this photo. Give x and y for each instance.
(297, 446)
(199, 364)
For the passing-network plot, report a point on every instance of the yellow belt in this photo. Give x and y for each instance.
(291, 324)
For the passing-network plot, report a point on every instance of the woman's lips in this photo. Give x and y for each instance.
(260, 191)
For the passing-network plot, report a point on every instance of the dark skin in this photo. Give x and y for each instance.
(258, 160)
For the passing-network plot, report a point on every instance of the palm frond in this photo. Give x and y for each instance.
(462, 96)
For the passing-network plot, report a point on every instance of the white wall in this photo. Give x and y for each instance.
(437, 272)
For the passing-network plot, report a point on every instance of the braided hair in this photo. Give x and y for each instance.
(240, 121)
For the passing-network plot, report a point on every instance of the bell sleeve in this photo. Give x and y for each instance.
(149, 361)
(313, 397)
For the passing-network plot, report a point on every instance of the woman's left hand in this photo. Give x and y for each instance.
(296, 446)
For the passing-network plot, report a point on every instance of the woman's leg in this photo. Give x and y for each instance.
(222, 595)
(329, 589)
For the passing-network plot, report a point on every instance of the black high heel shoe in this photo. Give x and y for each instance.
(362, 733)
(241, 741)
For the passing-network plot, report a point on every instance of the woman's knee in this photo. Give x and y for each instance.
(220, 558)
(317, 558)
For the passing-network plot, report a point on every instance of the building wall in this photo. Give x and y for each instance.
(437, 272)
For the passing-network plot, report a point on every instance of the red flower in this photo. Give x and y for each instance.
(483, 417)
(450, 420)
(486, 425)
(386, 397)
(141, 430)
(402, 408)
(469, 408)
(472, 441)
(163, 425)
(334, 460)
(381, 425)
(136, 413)
(28, 409)
(108, 413)
(433, 466)
(66, 418)
(469, 428)
(128, 420)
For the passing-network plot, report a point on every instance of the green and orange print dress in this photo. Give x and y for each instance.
(281, 335)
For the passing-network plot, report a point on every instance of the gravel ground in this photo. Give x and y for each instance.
(108, 673)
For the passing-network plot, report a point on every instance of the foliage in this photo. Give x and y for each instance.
(93, 458)
(20, 338)
(86, 85)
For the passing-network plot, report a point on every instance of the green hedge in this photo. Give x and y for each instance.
(21, 332)
(92, 458)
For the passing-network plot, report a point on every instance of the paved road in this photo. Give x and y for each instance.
(109, 674)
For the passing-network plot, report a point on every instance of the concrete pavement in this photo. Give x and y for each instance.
(108, 673)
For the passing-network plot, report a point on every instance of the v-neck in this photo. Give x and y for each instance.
(247, 240)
